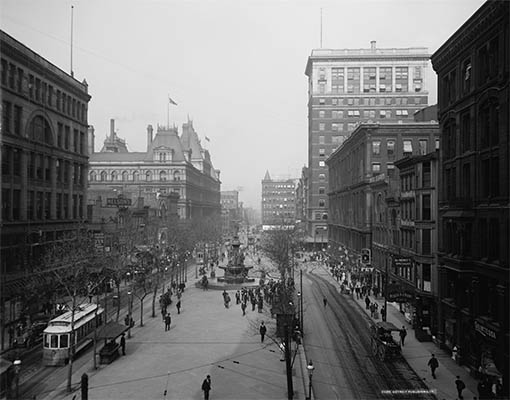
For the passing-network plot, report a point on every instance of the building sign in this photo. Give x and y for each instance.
(487, 332)
(118, 202)
(404, 262)
(400, 297)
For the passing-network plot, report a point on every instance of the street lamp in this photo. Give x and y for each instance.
(130, 305)
(17, 370)
(310, 368)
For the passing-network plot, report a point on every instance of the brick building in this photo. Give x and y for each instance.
(44, 164)
(473, 99)
(349, 86)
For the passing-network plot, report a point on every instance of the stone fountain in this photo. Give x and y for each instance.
(235, 270)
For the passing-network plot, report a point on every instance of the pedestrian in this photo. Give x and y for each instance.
(372, 309)
(325, 301)
(367, 303)
(123, 344)
(168, 321)
(178, 305)
(262, 331)
(460, 386)
(243, 307)
(238, 297)
(206, 387)
(403, 334)
(383, 313)
(433, 364)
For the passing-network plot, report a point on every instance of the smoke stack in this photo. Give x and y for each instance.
(91, 139)
(372, 45)
(149, 136)
(112, 129)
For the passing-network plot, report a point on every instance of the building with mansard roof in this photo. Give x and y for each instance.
(172, 165)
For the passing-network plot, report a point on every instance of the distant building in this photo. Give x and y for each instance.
(44, 166)
(347, 87)
(230, 210)
(173, 165)
(473, 68)
(278, 202)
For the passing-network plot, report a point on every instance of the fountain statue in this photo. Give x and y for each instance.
(235, 270)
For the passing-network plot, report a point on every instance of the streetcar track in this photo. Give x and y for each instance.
(392, 373)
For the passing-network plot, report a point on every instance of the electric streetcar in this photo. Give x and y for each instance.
(57, 335)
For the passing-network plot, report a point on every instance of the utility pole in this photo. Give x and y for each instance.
(301, 303)
(288, 363)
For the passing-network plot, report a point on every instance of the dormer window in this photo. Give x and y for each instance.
(162, 157)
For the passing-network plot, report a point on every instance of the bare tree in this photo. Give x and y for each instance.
(70, 262)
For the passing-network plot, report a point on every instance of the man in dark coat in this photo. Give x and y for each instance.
(367, 302)
(262, 331)
(168, 321)
(460, 385)
(206, 387)
(433, 364)
(178, 305)
(403, 334)
(123, 344)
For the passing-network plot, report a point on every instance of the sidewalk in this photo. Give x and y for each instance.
(418, 353)
(206, 338)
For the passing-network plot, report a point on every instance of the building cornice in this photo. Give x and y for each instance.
(486, 18)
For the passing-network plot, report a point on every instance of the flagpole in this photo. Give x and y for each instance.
(168, 115)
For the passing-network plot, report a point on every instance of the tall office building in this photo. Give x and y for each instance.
(349, 86)
(278, 202)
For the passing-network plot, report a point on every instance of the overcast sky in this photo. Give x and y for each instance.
(235, 67)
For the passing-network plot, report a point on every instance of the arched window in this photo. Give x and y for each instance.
(162, 176)
(148, 176)
(39, 130)
(125, 176)
(325, 217)
(103, 176)
(177, 176)
(136, 176)
(92, 176)
(114, 176)
(379, 208)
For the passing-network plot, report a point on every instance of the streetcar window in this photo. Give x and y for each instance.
(64, 341)
(54, 341)
(46, 340)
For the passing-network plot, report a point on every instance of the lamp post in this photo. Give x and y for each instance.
(310, 368)
(130, 305)
(17, 370)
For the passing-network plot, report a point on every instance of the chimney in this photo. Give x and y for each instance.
(90, 139)
(112, 129)
(149, 136)
(372, 45)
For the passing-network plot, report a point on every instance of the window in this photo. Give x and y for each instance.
(322, 177)
(6, 116)
(408, 148)
(17, 120)
(321, 139)
(322, 87)
(322, 152)
(376, 147)
(426, 180)
(322, 101)
(466, 131)
(322, 203)
(423, 146)
(437, 144)
(390, 169)
(322, 190)
(322, 114)
(425, 214)
(466, 78)
(322, 126)
(162, 176)
(376, 167)
(466, 180)
(322, 164)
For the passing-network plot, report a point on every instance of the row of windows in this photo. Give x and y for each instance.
(39, 167)
(464, 240)
(488, 63)
(39, 205)
(135, 176)
(421, 180)
(41, 91)
(465, 138)
(407, 147)
(39, 129)
(371, 101)
(489, 182)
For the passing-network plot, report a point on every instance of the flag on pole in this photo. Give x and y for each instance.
(171, 101)
(206, 138)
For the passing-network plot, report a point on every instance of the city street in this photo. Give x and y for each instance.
(206, 338)
(337, 340)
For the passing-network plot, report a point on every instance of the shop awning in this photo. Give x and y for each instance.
(4, 365)
(458, 214)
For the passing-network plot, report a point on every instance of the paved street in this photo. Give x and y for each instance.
(204, 339)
